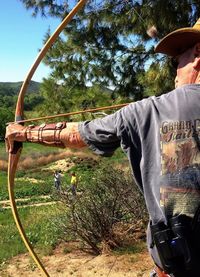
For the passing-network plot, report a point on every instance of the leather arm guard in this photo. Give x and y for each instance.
(47, 134)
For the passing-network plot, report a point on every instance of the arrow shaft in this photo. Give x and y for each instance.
(72, 113)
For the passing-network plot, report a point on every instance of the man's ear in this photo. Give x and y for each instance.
(197, 48)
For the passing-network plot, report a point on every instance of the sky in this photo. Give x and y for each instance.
(21, 36)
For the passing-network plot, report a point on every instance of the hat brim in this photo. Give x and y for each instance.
(178, 41)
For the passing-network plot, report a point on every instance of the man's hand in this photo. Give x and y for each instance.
(14, 132)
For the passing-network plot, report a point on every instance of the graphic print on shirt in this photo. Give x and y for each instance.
(180, 167)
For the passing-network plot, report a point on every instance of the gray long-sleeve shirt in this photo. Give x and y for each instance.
(160, 136)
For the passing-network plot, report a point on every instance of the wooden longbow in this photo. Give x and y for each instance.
(19, 114)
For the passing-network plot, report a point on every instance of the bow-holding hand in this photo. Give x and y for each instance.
(14, 132)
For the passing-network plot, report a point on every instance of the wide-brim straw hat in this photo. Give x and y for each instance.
(179, 40)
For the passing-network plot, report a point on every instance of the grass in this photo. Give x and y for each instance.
(3, 154)
(39, 222)
(25, 187)
(34, 149)
(30, 149)
(3, 182)
(39, 226)
(132, 249)
(28, 201)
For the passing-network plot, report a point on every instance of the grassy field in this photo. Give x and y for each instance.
(29, 149)
(24, 185)
(32, 184)
(39, 226)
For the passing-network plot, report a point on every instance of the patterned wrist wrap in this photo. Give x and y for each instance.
(39, 133)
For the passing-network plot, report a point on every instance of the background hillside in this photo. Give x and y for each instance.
(13, 88)
(8, 98)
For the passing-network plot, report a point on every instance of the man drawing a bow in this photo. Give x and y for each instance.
(160, 136)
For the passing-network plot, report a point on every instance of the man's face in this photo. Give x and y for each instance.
(185, 68)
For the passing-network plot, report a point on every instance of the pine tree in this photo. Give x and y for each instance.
(107, 45)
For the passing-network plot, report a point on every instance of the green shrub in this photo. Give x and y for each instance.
(108, 198)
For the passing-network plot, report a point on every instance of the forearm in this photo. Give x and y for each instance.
(70, 136)
(60, 135)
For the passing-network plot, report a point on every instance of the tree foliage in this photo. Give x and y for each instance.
(62, 99)
(6, 115)
(107, 45)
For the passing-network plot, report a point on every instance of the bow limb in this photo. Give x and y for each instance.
(12, 166)
(20, 103)
(19, 114)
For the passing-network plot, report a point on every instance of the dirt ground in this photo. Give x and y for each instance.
(80, 264)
